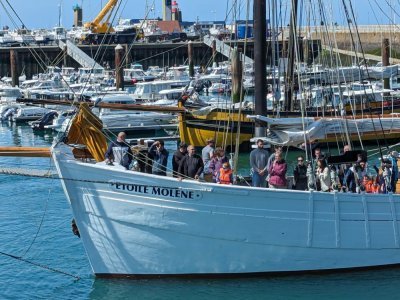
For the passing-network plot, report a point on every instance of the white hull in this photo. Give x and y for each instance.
(201, 228)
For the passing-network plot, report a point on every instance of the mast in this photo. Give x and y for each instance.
(289, 80)
(260, 24)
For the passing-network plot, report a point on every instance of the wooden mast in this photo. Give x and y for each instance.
(260, 83)
(289, 79)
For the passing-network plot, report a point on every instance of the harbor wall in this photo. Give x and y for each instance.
(34, 59)
(369, 36)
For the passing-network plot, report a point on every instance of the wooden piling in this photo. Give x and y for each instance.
(190, 58)
(128, 57)
(214, 52)
(237, 71)
(386, 60)
(306, 51)
(119, 70)
(14, 67)
(65, 56)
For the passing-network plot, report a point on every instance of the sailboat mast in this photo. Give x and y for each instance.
(289, 80)
(260, 83)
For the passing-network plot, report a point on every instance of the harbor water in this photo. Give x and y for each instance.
(40, 258)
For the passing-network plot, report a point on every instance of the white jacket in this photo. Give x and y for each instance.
(325, 179)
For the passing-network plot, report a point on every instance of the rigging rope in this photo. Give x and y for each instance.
(40, 265)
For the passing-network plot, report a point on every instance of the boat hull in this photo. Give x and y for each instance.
(220, 125)
(140, 224)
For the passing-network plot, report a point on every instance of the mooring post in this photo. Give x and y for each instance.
(65, 55)
(237, 70)
(306, 51)
(190, 58)
(386, 61)
(214, 52)
(119, 70)
(128, 58)
(14, 67)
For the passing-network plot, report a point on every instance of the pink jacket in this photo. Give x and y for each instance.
(277, 173)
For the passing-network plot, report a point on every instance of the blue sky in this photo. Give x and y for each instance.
(44, 13)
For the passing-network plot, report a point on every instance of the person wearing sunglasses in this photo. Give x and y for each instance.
(300, 175)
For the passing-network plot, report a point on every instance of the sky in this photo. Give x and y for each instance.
(44, 13)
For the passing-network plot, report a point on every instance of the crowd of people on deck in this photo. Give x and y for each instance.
(212, 165)
(268, 170)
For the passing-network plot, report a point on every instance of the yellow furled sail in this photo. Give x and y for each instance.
(86, 130)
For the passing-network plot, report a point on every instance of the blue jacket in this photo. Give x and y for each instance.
(160, 160)
(120, 152)
(395, 169)
(349, 179)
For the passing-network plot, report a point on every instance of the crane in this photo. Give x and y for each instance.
(101, 30)
(97, 25)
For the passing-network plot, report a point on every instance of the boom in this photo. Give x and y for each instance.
(97, 25)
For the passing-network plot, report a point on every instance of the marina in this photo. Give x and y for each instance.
(199, 150)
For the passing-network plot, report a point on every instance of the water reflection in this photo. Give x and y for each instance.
(360, 285)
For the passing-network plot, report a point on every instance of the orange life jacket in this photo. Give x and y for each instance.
(375, 188)
(225, 176)
(368, 184)
(371, 187)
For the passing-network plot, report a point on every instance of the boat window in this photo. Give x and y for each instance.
(139, 89)
(146, 89)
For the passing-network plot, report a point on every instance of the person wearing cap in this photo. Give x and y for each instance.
(177, 157)
(119, 151)
(160, 158)
(259, 164)
(207, 154)
(225, 174)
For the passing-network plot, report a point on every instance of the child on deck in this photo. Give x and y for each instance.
(225, 174)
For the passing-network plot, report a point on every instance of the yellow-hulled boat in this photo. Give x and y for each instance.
(222, 125)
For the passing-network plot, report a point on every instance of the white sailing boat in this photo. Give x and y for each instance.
(136, 224)
(141, 224)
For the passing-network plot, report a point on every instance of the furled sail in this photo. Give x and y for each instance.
(86, 130)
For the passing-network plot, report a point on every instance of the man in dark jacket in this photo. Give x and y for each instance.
(191, 165)
(178, 156)
(119, 151)
(160, 158)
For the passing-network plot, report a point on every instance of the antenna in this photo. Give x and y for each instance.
(60, 13)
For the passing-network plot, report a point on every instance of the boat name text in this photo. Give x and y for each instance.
(155, 190)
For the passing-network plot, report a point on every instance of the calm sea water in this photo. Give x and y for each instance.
(35, 224)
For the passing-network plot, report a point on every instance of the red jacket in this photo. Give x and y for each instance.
(277, 173)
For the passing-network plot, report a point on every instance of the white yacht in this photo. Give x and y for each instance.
(133, 76)
(149, 91)
(91, 75)
(28, 113)
(119, 120)
(218, 74)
